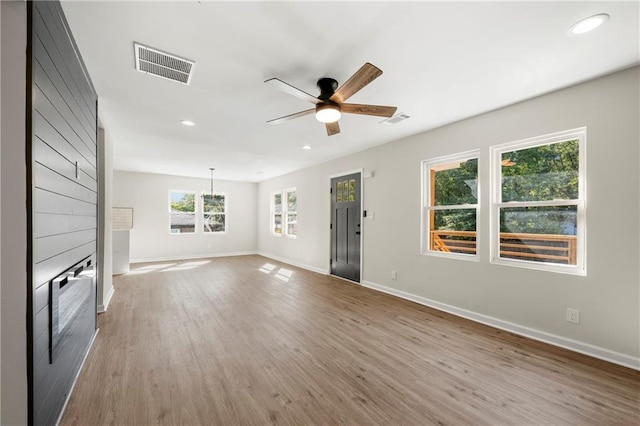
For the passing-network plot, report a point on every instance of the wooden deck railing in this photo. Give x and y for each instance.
(536, 247)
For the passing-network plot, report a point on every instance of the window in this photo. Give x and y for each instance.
(276, 214)
(538, 218)
(284, 213)
(450, 205)
(214, 213)
(182, 209)
(291, 228)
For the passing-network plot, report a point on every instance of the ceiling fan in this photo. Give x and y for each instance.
(330, 104)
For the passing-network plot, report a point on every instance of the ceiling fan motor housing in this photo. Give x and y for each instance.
(327, 87)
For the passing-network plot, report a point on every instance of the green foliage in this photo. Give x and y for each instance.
(456, 186)
(555, 220)
(541, 173)
(548, 172)
(186, 203)
(213, 204)
(292, 201)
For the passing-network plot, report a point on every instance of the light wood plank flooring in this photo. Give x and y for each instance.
(235, 341)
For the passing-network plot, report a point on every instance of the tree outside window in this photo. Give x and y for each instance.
(182, 209)
(538, 207)
(292, 213)
(276, 214)
(214, 213)
(451, 205)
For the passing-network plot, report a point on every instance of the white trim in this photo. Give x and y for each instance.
(193, 256)
(294, 263)
(552, 339)
(224, 213)
(495, 172)
(272, 214)
(425, 191)
(103, 307)
(75, 379)
(362, 221)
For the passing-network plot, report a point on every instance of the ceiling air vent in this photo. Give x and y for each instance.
(395, 119)
(162, 64)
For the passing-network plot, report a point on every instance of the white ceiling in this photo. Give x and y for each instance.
(442, 62)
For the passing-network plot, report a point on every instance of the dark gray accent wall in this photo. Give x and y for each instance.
(63, 201)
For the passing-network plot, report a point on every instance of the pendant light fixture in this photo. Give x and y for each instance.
(212, 191)
(211, 169)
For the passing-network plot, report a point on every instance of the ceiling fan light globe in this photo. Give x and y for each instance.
(327, 113)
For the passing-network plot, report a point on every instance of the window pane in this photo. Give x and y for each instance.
(277, 203)
(339, 192)
(352, 190)
(213, 204)
(548, 172)
(539, 234)
(182, 223)
(183, 201)
(182, 206)
(292, 201)
(292, 224)
(277, 223)
(214, 222)
(453, 231)
(455, 183)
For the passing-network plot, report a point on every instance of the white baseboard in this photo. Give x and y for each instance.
(103, 308)
(75, 379)
(563, 342)
(294, 263)
(190, 257)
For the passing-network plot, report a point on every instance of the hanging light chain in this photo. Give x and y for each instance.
(211, 169)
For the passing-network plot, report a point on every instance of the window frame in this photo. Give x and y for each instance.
(284, 222)
(195, 211)
(224, 213)
(272, 214)
(496, 152)
(286, 212)
(426, 207)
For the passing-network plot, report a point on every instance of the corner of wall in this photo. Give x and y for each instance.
(13, 182)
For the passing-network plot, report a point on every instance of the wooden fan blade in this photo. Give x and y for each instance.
(291, 116)
(365, 75)
(294, 91)
(332, 128)
(377, 110)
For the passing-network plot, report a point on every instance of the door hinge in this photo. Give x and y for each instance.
(331, 226)
(331, 190)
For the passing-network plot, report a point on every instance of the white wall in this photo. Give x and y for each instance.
(148, 194)
(105, 171)
(527, 301)
(13, 281)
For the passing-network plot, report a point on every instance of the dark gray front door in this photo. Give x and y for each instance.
(345, 226)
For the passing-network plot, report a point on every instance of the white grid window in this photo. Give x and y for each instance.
(284, 213)
(450, 205)
(214, 213)
(538, 202)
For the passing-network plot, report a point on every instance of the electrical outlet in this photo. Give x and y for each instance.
(394, 275)
(573, 315)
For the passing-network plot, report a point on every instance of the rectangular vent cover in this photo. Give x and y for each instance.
(395, 119)
(161, 64)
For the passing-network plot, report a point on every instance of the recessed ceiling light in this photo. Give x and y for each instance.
(307, 147)
(188, 123)
(588, 24)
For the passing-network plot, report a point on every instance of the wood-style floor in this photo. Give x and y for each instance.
(249, 341)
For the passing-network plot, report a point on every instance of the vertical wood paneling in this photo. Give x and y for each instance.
(63, 203)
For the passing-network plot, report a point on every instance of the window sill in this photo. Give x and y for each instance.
(555, 268)
(456, 256)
